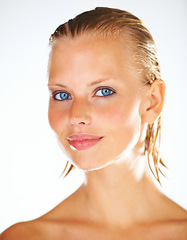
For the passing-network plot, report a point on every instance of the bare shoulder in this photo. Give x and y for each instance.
(52, 225)
(174, 230)
(23, 230)
(176, 223)
(180, 227)
(170, 210)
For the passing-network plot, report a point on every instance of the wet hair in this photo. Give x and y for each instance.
(116, 23)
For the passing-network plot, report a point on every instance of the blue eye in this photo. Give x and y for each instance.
(104, 92)
(60, 96)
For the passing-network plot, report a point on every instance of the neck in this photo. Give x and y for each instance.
(119, 193)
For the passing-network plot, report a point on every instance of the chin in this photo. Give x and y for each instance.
(88, 162)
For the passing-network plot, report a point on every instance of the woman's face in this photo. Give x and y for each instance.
(96, 100)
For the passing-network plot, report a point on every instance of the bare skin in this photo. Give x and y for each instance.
(164, 220)
(118, 199)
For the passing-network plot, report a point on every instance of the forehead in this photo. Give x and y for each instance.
(90, 48)
(90, 53)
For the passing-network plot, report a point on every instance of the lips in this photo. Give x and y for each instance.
(83, 141)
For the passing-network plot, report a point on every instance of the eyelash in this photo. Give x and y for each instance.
(55, 94)
(105, 88)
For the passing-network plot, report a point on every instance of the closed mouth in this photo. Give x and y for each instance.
(83, 141)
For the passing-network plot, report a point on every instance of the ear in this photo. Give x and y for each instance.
(154, 101)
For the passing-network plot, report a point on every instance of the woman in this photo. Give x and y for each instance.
(106, 97)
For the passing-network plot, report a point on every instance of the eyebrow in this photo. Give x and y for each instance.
(97, 82)
(89, 85)
(56, 84)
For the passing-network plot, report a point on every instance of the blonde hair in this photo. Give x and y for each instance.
(109, 22)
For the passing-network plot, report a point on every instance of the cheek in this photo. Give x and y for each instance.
(122, 122)
(108, 113)
(130, 126)
(56, 117)
(119, 114)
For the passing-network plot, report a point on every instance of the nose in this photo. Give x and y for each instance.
(80, 112)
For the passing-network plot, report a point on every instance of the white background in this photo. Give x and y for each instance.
(30, 159)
